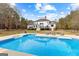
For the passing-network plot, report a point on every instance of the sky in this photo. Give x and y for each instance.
(53, 11)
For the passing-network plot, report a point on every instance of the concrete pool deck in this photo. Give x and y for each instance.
(11, 36)
(37, 34)
(13, 53)
(59, 36)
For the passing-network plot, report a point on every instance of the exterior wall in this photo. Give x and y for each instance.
(52, 28)
(41, 24)
(44, 23)
(31, 27)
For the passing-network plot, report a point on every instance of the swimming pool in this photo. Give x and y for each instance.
(42, 46)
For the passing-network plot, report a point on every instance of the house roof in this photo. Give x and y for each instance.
(42, 20)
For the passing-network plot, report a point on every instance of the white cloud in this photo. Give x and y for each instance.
(32, 15)
(29, 16)
(68, 8)
(23, 10)
(75, 6)
(68, 12)
(42, 11)
(38, 6)
(52, 16)
(62, 14)
(13, 4)
(49, 7)
(43, 8)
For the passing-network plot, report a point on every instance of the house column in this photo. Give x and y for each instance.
(38, 28)
(52, 28)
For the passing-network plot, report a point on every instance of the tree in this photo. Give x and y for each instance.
(61, 24)
(70, 21)
(9, 18)
(23, 24)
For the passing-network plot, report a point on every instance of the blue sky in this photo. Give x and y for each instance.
(34, 11)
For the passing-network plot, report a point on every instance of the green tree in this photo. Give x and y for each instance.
(9, 18)
(23, 24)
(70, 21)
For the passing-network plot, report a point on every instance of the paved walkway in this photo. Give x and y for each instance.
(12, 53)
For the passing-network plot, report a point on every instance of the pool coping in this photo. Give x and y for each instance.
(37, 34)
(11, 36)
(13, 53)
(59, 36)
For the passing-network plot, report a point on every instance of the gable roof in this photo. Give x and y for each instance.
(42, 20)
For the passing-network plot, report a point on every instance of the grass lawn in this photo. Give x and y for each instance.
(10, 32)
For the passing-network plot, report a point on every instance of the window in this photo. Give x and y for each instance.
(41, 23)
(52, 25)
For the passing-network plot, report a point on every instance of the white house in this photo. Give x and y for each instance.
(42, 24)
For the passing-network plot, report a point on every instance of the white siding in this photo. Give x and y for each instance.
(41, 24)
(45, 23)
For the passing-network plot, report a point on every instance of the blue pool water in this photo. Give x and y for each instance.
(42, 46)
